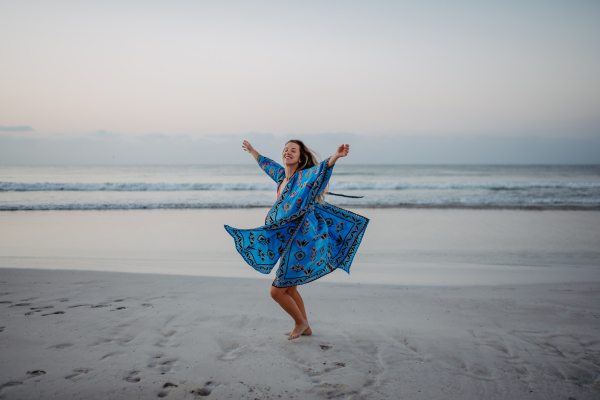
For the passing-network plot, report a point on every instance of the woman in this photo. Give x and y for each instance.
(311, 237)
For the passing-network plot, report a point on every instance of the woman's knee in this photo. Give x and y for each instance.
(277, 293)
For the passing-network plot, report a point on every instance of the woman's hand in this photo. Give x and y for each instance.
(248, 147)
(342, 151)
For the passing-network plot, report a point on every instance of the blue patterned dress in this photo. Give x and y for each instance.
(311, 239)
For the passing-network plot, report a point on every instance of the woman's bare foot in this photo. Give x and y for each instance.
(298, 330)
(307, 332)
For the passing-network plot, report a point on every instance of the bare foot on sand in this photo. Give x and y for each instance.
(307, 332)
(298, 330)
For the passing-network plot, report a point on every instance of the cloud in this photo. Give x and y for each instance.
(102, 134)
(114, 148)
(154, 137)
(19, 128)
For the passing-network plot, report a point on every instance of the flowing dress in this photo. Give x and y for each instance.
(308, 238)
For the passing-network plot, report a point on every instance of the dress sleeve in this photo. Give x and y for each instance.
(271, 168)
(317, 177)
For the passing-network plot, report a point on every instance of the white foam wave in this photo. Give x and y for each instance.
(235, 202)
(130, 186)
(265, 186)
(462, 185)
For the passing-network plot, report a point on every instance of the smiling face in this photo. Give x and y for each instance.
(291, 154)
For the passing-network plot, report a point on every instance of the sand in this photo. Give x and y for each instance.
(441, 304)
(99, 335)
(401, 246)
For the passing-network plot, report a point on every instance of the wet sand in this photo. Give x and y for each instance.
(440, 304)
(98, 335)
(400, 246)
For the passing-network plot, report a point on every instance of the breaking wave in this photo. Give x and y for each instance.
(254, 186)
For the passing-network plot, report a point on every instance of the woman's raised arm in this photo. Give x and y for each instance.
(248, 147)
(342, 151)
(274, 170)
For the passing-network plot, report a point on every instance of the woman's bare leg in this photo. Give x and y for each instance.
(295, 295)
(286, 302)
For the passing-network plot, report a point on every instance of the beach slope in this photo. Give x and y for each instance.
(98, 335)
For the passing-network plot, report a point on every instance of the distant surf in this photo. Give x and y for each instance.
(173, 187)
(469, 202)
(114, 187)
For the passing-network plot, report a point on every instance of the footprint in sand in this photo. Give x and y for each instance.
(2, 328)
(37, 372)
(232, 353)
(80, 305)
(203, 391)
(163, 365)
(115, 353)
(121, 308)
(61, 346)
(325, 347)
(5, 302)
(41, 308)
(56, 312)
(100, 305)
(9, 384)
(332, 391)
(164, 341)
(63, 300)
(21, 305)
(77, 372)
(320, 370)
(32, 312)
(133, 377)
(166, 389)
(118, 300)
(147, 305)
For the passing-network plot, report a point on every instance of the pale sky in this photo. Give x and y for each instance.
(369, 68)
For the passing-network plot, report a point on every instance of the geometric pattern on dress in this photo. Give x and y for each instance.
(308, 239)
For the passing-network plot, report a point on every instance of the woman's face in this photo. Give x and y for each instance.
(291, 154)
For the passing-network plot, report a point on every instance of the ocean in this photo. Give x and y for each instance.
(429, 224)
(123, 187)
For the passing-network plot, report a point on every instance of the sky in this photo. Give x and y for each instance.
(407, 82)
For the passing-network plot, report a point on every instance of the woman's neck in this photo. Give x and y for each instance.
(290, 170)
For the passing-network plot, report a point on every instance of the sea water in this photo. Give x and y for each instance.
(124, 187)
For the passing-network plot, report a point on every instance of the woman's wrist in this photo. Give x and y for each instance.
(332, 160)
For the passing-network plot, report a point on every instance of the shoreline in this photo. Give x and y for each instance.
(119, 335)
(415, 247)
(414, 275)
(351, 206)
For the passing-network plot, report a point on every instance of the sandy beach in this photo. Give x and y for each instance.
(163, 167)
(98, 335)
(440, 304)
